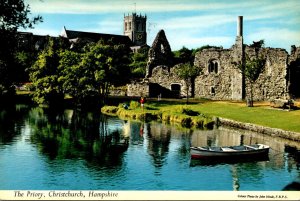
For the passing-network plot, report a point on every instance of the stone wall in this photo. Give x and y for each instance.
(221, 79)
(220, 82)
(166, 77)
(271, 83)
(159, 54)
(259, 129)
(138, 89)
(227, 82)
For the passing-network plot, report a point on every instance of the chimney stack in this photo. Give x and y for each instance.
(240, 26)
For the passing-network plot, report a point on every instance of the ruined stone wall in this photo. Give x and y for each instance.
(227, 82)
(166, 77)
(138, 89)
(271, 83)
(295, 54)
(159, 54)
(216, 84)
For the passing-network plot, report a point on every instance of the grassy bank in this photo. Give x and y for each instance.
(261, 114)
(179, 114)
(199, 114)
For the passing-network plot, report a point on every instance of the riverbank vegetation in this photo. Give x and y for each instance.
(200, 113)
(177, 114)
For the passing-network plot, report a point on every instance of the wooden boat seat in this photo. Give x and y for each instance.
(250, 147)
(227, 149)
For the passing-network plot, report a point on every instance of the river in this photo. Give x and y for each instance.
(42, 149)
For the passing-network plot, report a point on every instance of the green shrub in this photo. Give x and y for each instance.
(186, 122)
(208, 123)
(189, 112)
(134, 105)
(198, 122)
(109, 109)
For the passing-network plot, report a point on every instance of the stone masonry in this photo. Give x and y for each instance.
(159, 54)
(220, 78)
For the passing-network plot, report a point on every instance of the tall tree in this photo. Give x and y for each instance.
(108, 64)
(14, 14)
(44, 75)
(252, 69)
(184, 55)
(87, 76)
(138, 65)
(71, 75)
(23, 61)
(188, 73)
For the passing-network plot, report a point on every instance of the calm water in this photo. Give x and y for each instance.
(41, 149)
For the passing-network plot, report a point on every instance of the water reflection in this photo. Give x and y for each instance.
(12, 122)
(71, 134)
(246, 170)
(123, 154)
(158, 145)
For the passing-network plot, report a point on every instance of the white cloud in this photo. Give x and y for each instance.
(277, 38)
(96, 6)
(191, 23)
(196, 22)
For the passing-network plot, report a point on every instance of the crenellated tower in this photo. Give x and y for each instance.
(135, 28)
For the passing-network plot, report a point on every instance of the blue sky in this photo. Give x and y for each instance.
(189, 23)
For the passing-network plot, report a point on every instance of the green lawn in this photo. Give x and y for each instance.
(262, 115)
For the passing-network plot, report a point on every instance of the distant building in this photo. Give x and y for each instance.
(76, 37)
(135, 36)
(135, 29)
(29, 42)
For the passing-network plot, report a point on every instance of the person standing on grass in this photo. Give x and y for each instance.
(142, 101)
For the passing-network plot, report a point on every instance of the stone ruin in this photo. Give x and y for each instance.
(161, 79)
(220, 78)
(159, 54)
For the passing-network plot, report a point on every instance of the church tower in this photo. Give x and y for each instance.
(135, 28)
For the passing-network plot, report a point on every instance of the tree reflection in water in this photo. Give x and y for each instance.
(69, 134)
(12, 122)
(158, 145)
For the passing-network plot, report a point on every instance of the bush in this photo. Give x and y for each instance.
(208, 123)
(109, 109)
(189, 112)
(198, 122)
(134, 105)
(186, 122)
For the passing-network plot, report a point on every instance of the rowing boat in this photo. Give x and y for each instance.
(256, 150)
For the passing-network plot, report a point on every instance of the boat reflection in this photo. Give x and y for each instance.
(224, 161)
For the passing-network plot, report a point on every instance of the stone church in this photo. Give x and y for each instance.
(135, 36)
(220, 78)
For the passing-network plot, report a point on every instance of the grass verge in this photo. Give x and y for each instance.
(200, 114)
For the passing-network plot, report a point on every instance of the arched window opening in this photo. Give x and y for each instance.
(210, 67)
(162, 48)
(212, 91)
(213, 67)
(216, 68)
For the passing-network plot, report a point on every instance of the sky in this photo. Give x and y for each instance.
(187, 23)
